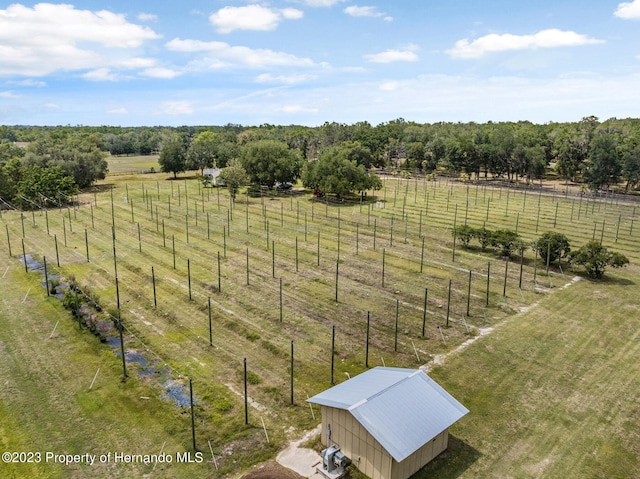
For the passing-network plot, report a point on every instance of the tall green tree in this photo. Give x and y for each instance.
(8, 151)
(234, 175)
(203, 151)
(268, 162)
(173, 156)
(605, 167)
(334, 173)
(630, 152)
(44, 187)
(79, 156)
(11, 175)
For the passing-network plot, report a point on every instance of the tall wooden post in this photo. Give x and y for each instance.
(424, 311)
(55, 240)
(46, 275)
(333, 344)
(153, 280)
(506, 270)
(246, 397)
(189, 276)
(86, 242)
(292, 372)
(193, 421)
(337, 276)
(366, 353)
(395, 341)
(448, 304)
(488, 279)
(469, 293)
(9, 240)
(210, 325)
(24, 257)
(219, 279)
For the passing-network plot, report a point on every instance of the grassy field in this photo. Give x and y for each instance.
(46, 404)
(283, 259)
(552, 392)
(125, 165)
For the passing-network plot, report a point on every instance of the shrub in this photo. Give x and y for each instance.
(484, 237)
(556, 245)
(464, 233)
(596, 258)
(506, 240)
(72, 299)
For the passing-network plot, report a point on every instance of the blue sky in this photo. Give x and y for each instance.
(310, 61)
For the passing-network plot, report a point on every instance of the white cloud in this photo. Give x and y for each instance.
(176, 108)
(407, 54)
(289, 80)
(321, 3)
(160, 72)
(251, 17)
(551, 38)
(147, 17)
(48, 37)
(8, 94)
(29, 82)
(223, 55)
(118, 111)
(102, 74)
(367, 11)
(136, 63)
(628, 10)
(292, 13)
(389, 86)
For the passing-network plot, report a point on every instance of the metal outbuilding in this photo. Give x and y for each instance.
(389, 421)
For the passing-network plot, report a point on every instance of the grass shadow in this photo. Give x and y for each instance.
(453, 462)
(609, 278)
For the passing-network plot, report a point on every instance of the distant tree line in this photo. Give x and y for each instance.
(598, 155)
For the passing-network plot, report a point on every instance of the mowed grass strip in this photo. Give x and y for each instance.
(126, 164)
(552, 392)
(46, 404)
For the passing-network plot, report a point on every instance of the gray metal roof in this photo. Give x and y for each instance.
(402, 409)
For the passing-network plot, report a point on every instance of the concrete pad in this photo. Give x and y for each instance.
(300, 459)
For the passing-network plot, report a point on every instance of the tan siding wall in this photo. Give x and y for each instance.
(417, 460)
(355, 442)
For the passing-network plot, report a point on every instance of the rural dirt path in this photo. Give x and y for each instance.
(439, 359)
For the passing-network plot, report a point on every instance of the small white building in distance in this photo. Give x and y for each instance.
(389, 421)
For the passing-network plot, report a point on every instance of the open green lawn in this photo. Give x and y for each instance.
(308, 246)
(122, 165)
(552, 392)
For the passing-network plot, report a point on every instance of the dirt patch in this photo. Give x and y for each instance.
(271, 470)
